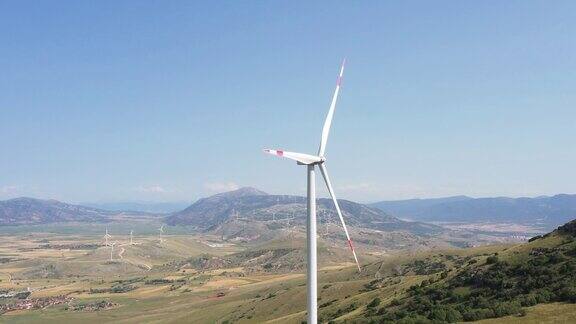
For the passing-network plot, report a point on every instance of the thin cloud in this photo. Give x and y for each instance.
(365, 191)
(152, 189)
(10, 189)
(358, 191)
(216, 187)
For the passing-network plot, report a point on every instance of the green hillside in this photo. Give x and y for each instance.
(488, 286)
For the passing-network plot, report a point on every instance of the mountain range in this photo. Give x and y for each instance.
(24, 211)
(245, 205)
(550, 212)
(249, 204)
(247, 211)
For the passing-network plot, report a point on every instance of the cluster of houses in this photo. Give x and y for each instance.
(34, 303)
(95, 306)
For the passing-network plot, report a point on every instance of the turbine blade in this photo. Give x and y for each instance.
(329, 186)
(299, 157)
(328, 121)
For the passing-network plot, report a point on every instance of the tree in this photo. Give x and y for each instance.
(438, 314)
(492, 259)
(452, 315)
(375, 302)
(568, 294)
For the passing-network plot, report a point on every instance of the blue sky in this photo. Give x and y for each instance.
(166, 101)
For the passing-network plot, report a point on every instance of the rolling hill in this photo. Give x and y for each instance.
(31, 211)
(255, 206)
(25, 211)
(550, 212)
(488, 285)
(248, 215)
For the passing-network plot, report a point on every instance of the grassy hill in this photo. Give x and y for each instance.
(487, 286)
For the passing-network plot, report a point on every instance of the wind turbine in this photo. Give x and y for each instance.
(311, 161)
(112, 250)
(106, 237)
(131, 237)
(161, 230)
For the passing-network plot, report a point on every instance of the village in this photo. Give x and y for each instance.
(34, 303)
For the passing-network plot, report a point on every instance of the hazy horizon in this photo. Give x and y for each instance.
(194, 199)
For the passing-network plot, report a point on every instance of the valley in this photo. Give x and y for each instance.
(72, 277)
(55, 277)
(239, 257)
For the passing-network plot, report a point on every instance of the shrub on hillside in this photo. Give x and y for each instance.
(375, 302)
(492, 259)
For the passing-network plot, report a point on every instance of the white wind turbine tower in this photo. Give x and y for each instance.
(311, 161)
(131, 237)
(112, 250)
(161, 230)
(106, 237)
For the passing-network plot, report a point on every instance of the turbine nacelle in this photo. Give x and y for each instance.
(317, 163)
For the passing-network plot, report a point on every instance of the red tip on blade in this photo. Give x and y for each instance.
(350, 244)
(279, 153)
(339, 81)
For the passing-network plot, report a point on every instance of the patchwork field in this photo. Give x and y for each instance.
(152, 279)
(181, 278)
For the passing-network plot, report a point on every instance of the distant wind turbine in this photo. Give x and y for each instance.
(112, 250)
(106, 237)
(311, 161)
(131, 237)
(161, 230)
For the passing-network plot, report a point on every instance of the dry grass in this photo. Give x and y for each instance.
(543, 313)
(249, 298)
